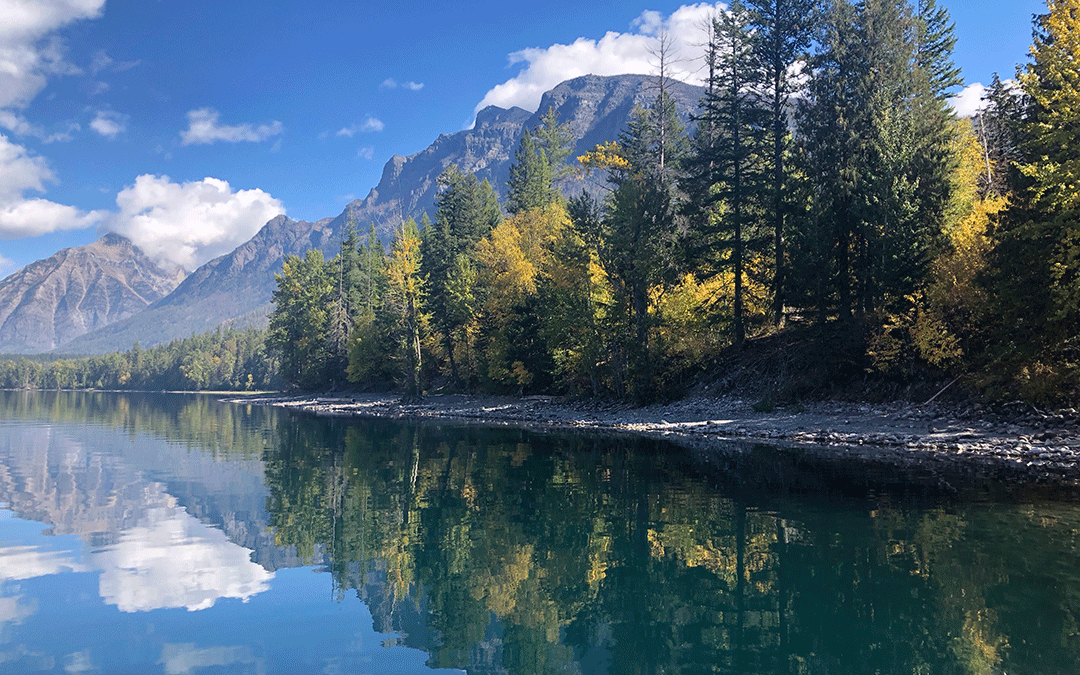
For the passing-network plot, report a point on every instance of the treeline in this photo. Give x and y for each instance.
(839, 195)
(224, 359)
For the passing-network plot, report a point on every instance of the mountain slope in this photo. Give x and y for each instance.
(238, 286)
(594, 107)
(78, 290)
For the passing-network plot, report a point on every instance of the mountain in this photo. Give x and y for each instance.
(78, 290)
(234, 287)
(594, 107)
(238, 287)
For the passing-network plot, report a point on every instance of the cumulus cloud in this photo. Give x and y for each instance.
(22, 216)
(969, 101)
(204, 129)
(109, 124)
(391, 83)
(172, 561)
(366, 152)
(26, 57)
(7, 265)
(613, 54)
(188, 224)
(369, 125)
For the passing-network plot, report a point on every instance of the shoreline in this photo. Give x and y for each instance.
(1041, 446)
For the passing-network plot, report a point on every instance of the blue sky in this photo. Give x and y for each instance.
(187, 125)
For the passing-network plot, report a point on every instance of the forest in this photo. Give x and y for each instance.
(828, 220)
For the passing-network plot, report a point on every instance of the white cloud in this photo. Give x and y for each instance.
(204, 128)
(366, 152)
(969, 101)
(369, 125)
(18, 563)
(20, 126)
(25, 217)
(613, 54)
(26, 58)
(100, 61)
(109, 124)
(173, 560)
(189, 224)
(391, 83)
(7, 265)
(181, 659)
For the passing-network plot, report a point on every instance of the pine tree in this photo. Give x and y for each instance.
(555, 140)
(466, 211)
(781, 31)
(727, 167)
(1036, 258)
(299, 321)
(530, 184)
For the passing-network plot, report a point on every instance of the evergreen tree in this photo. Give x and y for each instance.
(555, 140)
(781, 32)
(346, 270)
(727, 168)
(1036, 257)
(466, 211)
(530, 184)
(639, 231)
(834, 126)
(299, 321)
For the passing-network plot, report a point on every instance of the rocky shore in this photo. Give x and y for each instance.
(1039, 444)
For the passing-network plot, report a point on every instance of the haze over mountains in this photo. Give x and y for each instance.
(238, 287)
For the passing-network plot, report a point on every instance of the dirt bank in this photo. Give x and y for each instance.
(1042, 444)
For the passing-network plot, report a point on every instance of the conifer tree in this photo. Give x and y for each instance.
(530, 184)
(466, 211)
(781, 32)
(727, 167)
(299, 322)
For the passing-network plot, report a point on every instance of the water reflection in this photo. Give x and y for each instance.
(150, 551)
(173, 560)
(173, 522)
(524, 555)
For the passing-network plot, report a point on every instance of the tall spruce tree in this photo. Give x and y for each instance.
(530, 183)
(639, 231)
(727, 167)
(834, 127)
(466, 210)
(298, 324)
(781, 32)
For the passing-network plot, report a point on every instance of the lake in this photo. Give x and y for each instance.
(158, 533)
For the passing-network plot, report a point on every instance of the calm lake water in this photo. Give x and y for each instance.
(175, 534)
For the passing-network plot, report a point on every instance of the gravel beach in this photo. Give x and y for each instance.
(1040, 444)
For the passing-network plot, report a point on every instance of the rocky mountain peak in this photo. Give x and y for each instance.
(77, 290)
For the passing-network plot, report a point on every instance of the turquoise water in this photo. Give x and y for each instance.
(175, 534)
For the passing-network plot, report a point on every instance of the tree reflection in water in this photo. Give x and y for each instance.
(505, 551)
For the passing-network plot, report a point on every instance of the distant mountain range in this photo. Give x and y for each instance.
(237, 287)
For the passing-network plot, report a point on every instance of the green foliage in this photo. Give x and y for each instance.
(466, 211)
(301, 316)
(223, 359)
(842, 194)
